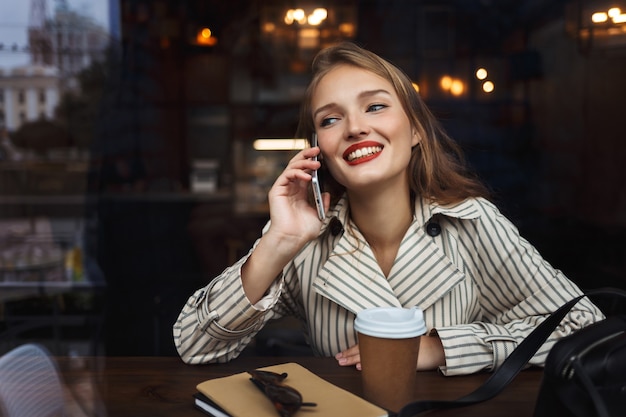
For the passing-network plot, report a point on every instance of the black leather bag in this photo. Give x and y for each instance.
(584, 375)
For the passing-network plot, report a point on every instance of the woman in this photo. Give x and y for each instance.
(406, 225)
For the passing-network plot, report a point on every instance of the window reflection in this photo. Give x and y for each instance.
(128, 128)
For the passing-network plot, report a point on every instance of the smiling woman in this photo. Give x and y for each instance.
(438, 163)
(364, 133)
(406, 225)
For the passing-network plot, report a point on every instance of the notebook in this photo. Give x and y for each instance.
(237, 396)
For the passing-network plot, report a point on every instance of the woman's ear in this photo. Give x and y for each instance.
(415, 139)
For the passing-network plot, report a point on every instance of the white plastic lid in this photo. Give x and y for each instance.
(391, 322)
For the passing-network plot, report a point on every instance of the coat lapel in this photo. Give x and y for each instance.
(422, 273)
(352, 278)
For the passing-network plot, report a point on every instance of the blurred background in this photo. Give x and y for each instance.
(138, 139)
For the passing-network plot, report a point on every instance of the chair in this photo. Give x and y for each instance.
(30, 384)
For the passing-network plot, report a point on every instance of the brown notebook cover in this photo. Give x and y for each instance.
(239, 397)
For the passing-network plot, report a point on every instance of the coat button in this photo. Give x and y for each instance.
(335, 226)
(433, 229)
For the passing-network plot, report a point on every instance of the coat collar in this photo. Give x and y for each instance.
(425, 210)
(351, 277)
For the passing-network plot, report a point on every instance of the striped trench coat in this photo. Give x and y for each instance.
(482, 287)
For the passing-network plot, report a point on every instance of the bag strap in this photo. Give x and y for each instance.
(511, 366)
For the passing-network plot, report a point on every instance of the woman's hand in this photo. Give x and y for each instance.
(349, 357)
(291, 214)
(294, 222)
(431, 355)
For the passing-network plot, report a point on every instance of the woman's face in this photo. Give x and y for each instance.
(363, 132)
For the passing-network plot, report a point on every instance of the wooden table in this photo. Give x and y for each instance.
(162, 386)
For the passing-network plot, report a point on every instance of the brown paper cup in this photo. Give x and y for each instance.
(388, 345)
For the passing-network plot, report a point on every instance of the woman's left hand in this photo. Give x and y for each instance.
(431, 355)
(349, 357)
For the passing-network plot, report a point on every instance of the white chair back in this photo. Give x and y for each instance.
(30, 384)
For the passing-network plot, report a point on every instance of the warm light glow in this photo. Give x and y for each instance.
(620, 18)
(613, 12)
(453, 85)
(269, 27)
(313, 20)
(318, 16)
(299, 16)
(488, 87)
(279, 144)
(322, 13)
(347, 29)
(416, 87)
(481, 73)
(457, 87)
(204, 37)
(289, 17)
(445, 82)
(599, 17)
(308, 38)
(310, 33)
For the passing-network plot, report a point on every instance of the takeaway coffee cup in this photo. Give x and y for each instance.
(389, 340)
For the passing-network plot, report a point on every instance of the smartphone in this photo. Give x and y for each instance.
(315, 183)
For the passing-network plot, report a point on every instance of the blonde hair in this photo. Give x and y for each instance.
(437, 169)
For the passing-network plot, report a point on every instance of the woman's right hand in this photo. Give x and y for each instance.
(294, 222)
(292, 215)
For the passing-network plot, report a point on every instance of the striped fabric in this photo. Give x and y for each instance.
(482, 287)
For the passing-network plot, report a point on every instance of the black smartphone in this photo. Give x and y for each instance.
(315, 183)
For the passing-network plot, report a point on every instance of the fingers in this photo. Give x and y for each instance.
(300, 167)
(307, 153)
(349, 357)
(290, 175)
(305, 156)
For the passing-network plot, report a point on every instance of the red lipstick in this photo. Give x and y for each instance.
(362, 152)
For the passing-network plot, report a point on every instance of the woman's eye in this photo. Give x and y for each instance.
(376, 107)
(328, 121)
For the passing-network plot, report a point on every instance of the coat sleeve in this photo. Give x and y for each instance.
(518, 289)
(218, 321)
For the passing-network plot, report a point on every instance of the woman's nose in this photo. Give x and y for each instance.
(356, 127)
